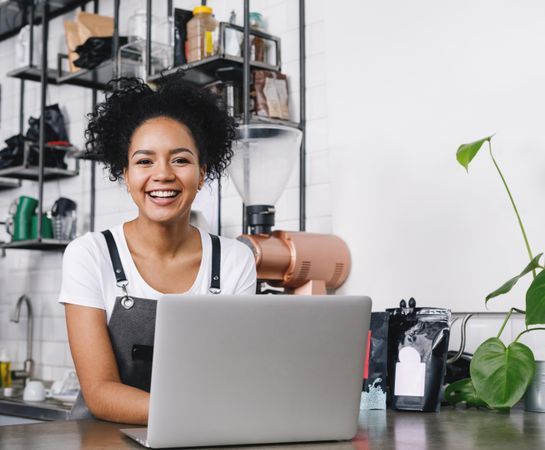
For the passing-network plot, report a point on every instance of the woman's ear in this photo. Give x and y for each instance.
(126, 179)
(202, 176)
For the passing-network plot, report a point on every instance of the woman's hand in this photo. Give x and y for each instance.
(105, 395)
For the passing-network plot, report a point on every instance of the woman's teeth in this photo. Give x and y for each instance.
(163, 194)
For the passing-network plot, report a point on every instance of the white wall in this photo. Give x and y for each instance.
(407, 82)
(393, 88)
(38, 274)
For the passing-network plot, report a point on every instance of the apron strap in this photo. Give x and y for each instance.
(215, 285)
(215, 281)
(114, 256)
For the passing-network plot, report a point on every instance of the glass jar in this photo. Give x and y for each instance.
(137, 25)
(201, 30)
(162, 29)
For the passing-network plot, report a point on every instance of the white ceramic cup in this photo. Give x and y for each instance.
(34, 392)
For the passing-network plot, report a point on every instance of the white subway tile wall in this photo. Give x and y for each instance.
(38, 274)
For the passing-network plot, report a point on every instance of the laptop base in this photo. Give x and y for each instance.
(140, 435)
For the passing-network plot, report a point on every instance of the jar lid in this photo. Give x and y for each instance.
(202, 9)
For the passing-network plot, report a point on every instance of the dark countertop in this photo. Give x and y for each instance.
(378, 430)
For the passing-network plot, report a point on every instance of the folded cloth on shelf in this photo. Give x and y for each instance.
(55, 129)
(95, 50)
(13, 154)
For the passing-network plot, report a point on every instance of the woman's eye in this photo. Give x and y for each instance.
(181, 161)
(144, 161)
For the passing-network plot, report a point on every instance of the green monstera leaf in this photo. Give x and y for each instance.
(508, 285)
(466, 152)
(463, 391)
(501, 374)
(535, 300)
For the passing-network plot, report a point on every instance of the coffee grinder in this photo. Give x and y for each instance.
(299, 262)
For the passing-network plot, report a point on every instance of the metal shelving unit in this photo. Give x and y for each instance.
(200, 73)
(40, 173)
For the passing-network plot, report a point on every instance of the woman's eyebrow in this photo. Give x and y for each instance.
(171, 152)
(180, 150)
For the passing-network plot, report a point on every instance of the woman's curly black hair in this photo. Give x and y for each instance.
(130, 102)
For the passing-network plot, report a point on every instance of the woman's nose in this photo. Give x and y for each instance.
(163, 171)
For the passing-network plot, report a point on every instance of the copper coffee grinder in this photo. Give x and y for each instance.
(299, 262)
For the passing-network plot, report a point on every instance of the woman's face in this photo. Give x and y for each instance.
(163, 173)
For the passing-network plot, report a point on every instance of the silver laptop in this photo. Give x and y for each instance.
(234, 370)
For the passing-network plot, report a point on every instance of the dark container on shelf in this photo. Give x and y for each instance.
(181, 17)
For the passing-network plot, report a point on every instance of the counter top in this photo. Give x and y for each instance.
(378, 430)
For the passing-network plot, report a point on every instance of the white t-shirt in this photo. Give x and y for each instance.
(88, 277)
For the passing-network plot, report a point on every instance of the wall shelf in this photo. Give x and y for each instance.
(84, 156)
(35, 244)
(96, 78)
(33, 73)
(271, 121)
(26, 172)
(203, 72)
(7, 183)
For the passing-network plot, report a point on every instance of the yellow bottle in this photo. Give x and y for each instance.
(5, 369)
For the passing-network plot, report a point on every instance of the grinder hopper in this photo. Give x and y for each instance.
(300, 262)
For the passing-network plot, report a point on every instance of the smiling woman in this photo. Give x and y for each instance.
(164, 145)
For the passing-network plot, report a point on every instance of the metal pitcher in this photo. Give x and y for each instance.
(534, 400)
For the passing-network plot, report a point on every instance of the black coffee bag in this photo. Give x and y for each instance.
(417, 353)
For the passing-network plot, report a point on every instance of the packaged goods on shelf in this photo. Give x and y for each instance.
(269, 95)
(86, 26)
(258, 46)
(95, 50)
(201, 34)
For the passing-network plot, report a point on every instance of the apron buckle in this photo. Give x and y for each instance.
(127, 302)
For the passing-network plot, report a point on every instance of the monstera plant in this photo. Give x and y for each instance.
(501, 374)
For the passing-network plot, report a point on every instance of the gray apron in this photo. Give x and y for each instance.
(132, 327)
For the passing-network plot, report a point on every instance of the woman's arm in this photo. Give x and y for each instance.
(105, 395)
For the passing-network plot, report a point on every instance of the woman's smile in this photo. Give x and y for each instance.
(163, 197)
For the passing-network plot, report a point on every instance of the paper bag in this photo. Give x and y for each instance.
(72, 41)
(93, 25)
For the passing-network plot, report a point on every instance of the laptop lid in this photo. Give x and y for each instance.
(233, 370)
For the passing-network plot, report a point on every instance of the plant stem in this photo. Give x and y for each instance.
(507, 318)
(527, 331)
(514, 206)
